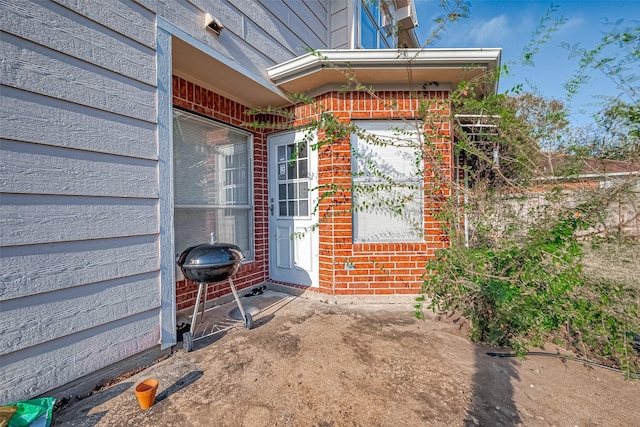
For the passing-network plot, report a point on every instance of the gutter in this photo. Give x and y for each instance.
(384, 58)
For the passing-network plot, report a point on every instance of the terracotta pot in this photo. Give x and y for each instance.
(146, 392)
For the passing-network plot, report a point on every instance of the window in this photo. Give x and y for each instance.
(211, 176)
(377, 25)
(387, 182)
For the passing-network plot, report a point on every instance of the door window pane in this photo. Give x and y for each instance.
(304, 208)
(293, 185)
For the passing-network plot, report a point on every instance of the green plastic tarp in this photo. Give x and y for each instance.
(32, 413)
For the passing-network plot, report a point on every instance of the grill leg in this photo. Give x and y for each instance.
(204, 301)
(194, 318)
(248, 320)
(237, 297)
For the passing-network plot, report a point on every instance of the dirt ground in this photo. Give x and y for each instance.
(617, 263)
(307, 363)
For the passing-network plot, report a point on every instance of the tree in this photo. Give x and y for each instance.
(615, 134)
(621, 124)
(547, 119)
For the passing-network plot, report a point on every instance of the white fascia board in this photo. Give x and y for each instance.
(384, 59)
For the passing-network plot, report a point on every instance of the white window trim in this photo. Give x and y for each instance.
(383, 126)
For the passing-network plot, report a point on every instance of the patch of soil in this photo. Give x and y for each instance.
(314, 364)
(64, 402)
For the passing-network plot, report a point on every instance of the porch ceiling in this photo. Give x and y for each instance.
(384, 67)
(224, 76)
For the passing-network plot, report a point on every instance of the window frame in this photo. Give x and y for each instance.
(369, 126)
(294, 183)
(382, 39)
(223, 209)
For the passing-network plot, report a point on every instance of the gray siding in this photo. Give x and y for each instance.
(79, 266)
(83, 198)
(58, 361)
(31, 117)
(258, 33)
(63, 265)
(341, 24)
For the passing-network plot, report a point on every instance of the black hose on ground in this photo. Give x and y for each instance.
(565, 358)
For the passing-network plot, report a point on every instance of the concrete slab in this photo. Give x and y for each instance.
(307, 363)
(220, 318)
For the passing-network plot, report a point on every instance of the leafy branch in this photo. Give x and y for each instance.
(453, 11)
(616, 56)
(547, 25)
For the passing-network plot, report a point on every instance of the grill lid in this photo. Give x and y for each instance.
(210, 255)
(210, 262)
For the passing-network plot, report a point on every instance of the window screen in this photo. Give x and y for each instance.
(212, 177)
(387, 182)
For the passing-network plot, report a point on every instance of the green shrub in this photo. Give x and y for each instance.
(533, 291)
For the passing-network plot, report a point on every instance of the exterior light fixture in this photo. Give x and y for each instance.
(213, 24)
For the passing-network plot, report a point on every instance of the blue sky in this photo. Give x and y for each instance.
(509, 24)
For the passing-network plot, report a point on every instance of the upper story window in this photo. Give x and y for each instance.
(377, 25)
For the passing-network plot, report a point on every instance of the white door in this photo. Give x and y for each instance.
(293, 246)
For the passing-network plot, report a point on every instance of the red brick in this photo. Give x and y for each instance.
(414, 291)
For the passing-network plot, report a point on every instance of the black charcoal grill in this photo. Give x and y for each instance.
(208, 263)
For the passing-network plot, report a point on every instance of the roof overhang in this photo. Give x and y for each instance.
(226, 77)
(408, 68)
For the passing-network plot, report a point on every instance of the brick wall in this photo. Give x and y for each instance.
(208, 103)
(379, 268)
